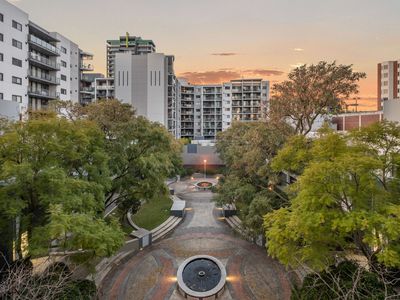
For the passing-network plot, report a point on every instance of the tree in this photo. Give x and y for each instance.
(340, 204)
(311, 92)
(346, 280)
(54, 174)
(18, 281)
(246, 149)
(142, 153)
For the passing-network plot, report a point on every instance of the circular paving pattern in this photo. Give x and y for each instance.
(151, 273)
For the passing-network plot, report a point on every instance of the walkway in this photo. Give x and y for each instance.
(150, 274)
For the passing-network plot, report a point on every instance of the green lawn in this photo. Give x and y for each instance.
(153, 213)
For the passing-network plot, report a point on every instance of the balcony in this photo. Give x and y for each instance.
(87, 67)
(43, 78)
(87, 90)
(105, 87)
(43, 46)
(45, 94)
(43, 62)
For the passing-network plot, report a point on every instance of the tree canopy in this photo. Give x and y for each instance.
(312, 91)
(246, 149)
(344, 202)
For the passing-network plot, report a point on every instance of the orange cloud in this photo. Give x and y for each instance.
(224, 54)
(224, 75)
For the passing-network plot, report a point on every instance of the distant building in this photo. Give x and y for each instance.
(148, 83)
(104, 88)
(132, 44)
(206, 110)
(388, 81)
(356, 120)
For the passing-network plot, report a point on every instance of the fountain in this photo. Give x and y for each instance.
(201, 277)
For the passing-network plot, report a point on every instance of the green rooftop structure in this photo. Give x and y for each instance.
(127, 43)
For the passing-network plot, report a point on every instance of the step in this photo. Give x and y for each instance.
(167, 221)
(167, 230)
(237, 227)
(236, 218)
(165, 225)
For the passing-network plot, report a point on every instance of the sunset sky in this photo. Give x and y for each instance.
(218, 40)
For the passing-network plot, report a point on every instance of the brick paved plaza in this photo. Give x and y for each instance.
(150, 274)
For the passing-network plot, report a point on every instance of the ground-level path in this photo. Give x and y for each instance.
(150, 274)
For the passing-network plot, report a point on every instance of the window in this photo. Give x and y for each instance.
(1, 37)
(17, 25)
(63, 91)
(17, 44)
(17, 62)
(1, 77)
(64, 64)
(1, 57)
(16, 80)
(1, 18)
(63, 50)
(1, 96)
(17, 98)
(63, 78)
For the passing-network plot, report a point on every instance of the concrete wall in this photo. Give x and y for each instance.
(194, 155)
(10, 110)
(391, 110)
(351, 121)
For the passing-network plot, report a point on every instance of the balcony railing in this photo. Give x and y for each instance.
(43, 93)
(87, 89)
(43, 77)
(42, 44)
(88, 67)
(44, 61)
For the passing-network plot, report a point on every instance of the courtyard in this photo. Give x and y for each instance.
(151, 273)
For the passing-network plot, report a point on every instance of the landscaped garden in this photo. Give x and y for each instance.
(153, 212)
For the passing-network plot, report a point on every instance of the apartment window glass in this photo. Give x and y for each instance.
(63, 50)
(16, 25)
(63, 91)
(1, 37)
(17, 98)
(17, 44)
(17, 62)
(16, 80)
(64, 64)
(1, 57)
(63, 78)
(1, 18)
(1, 77)
(1, 96)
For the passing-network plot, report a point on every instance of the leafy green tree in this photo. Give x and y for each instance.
(311, 92)
(246, 149)
(49, 163)
(142, 153)
(341, 203)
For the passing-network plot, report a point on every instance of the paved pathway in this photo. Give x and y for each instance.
(150, 274)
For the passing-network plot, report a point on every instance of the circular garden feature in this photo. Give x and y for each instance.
(204, 185)
(201, 277)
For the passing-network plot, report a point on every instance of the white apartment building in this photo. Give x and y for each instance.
(104, 88)
(36, 66)
(132, 44)
(13, 60)
(388, 81)
(205, 110)
(148, 83)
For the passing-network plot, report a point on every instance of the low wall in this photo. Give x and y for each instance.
(194, 155)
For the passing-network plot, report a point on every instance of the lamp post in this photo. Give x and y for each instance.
(205, 167)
